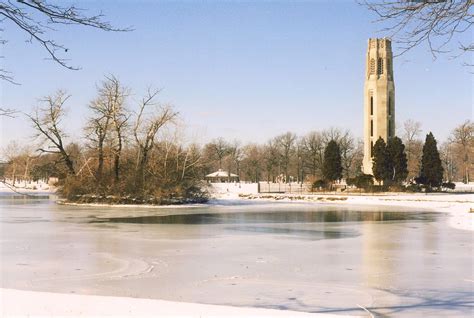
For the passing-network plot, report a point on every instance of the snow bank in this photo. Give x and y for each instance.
(26, 187)
(26, 303)
(233, 188)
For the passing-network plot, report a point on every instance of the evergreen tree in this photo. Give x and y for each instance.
(431, 167)
(397, 166)
(332, 166)
(379, 160)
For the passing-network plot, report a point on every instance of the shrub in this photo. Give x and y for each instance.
(320, 184)
(364, 181)
(73, 187)
(414, 188)
(449, 185)
(421, 180)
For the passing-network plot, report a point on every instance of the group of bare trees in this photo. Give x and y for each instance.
(284, 158)
(137, 149)
(457, 153)
(130, 148)
(291, 158)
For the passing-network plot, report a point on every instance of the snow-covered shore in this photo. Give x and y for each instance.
(457, 205)
(29, 303)
(26, 187)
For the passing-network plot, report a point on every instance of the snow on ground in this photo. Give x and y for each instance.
(54, 304)
(26, 187)
(457, 205)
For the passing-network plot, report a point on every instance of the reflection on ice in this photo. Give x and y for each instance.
(297, 232)
(277, 216)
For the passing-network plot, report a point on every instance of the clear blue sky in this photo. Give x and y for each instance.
(243, 70)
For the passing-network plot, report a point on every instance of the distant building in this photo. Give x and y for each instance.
(379, 97)
(222, 176)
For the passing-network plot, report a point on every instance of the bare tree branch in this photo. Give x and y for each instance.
(46, 121)
(37, 18)
(8, 112)
(434, 22)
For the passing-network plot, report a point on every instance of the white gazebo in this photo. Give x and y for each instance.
(222, 176)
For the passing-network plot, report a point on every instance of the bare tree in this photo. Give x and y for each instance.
(38, 18)
(435, 22)
(313, 153)
(271, 159)
(448, 161)
(286, 146)
(235, 157)
(12, 153)
(192, 158)
(251, 162)
(462, 138)
(357, 156)
(97, 130)
(46, 121)
(114, 96)
(219, 149)
(146, 129)
(346, 145)
(413, 146)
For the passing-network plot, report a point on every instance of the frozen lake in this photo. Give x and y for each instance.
(304, 257)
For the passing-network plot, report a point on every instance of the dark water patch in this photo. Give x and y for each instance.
(25, 221)
(300, 233)
(9, 199)
(272, 217)
(18, 196)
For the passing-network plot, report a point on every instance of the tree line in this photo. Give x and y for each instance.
(136, 150)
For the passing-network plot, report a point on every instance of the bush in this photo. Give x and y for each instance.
(363, 181)
(421, 180)
(320, 184)
(449, 185)
(414, 188)
(73, 187)
(396, 188)
(379, 188)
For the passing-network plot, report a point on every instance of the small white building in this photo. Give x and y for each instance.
(222, 176)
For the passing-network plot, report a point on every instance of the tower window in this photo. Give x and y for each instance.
(380, 66)
(372, 66)
(371, 147)
(371, 128)
(389, 128)
(371, 105)
(390, 105)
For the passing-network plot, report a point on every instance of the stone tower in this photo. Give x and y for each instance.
(379, 97)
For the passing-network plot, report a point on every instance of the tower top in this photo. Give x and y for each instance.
(380, 43)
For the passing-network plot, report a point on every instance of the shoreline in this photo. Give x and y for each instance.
(58, 304)
(457, 205)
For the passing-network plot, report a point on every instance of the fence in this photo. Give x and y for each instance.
(294, 187)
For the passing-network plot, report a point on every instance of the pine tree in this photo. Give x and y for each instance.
(332, 166)
(431, 167)
(379, 160)
(397, 166)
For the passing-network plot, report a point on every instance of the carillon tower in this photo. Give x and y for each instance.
(379, 97)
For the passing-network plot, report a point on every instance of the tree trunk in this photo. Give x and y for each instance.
(117, 155)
